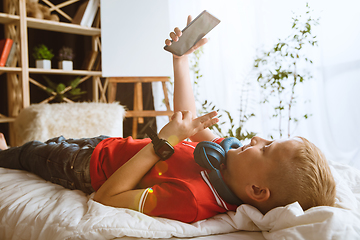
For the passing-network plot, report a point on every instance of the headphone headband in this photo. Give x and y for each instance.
(211, 155)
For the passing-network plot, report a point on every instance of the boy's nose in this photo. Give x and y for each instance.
(255, 140)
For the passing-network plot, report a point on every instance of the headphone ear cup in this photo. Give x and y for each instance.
(209, 155)
(230, 143)
(223, 190)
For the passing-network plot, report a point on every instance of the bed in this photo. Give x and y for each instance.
(31, 208)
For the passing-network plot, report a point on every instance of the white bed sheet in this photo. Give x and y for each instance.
(239, 235)
(31, 208)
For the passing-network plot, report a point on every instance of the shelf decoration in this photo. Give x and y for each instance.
(59, 92)
(40, 11)
(66, 56)
(43, 56)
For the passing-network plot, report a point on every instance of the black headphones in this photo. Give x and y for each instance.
(211, 155)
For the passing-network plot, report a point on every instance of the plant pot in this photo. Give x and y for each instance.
(66, 65)
(44, 63)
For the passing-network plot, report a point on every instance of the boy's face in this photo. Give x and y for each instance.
(252, 163)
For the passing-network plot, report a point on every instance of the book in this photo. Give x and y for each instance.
(90, 13)
(86, 13)
(5, 47)
(11, 56)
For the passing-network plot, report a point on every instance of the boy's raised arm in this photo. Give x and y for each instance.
(119, 190)
(184, 99)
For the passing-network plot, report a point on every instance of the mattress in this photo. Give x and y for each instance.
(32, 208)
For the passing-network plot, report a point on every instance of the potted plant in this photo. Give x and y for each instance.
(64, 92)
(42, 56)
(66, 56)
(280, 72)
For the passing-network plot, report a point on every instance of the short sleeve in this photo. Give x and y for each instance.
(169, 200)
(217, 140)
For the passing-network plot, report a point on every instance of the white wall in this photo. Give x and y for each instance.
(133, 34)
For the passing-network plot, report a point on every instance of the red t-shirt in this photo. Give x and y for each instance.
(177, 188)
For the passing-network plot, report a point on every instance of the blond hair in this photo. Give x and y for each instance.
(306, 178)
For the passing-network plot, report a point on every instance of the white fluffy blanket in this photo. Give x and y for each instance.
(31, 208)
(72, 120)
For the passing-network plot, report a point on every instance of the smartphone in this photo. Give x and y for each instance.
(192, 33)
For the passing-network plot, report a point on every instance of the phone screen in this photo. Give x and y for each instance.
(193, 32)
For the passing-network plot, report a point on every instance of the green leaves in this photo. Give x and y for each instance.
(61, 87)
(278, 69)
(61, 91)
(41, 52)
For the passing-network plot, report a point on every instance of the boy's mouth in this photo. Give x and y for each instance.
(243, 148)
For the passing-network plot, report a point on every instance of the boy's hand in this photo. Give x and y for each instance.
(177, 34)
(182, 126)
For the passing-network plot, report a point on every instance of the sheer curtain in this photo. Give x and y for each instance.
(333, 92)
(227, 57)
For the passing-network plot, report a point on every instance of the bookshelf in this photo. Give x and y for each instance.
(16, 25)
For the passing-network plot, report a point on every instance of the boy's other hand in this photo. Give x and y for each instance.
(182, 126)
(177, 34)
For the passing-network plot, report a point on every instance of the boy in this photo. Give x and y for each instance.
(128, 173)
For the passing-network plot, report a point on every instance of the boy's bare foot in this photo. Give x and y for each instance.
(3, 144)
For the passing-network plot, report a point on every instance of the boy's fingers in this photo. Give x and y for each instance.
(210, 122)
(178, 32)
(174, 37)
(210, 115)
(207, 117)
(189, 19)
(201, 43)
(198, 44)
(168, 42)
(177, 114)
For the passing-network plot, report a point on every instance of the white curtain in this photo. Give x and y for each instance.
(333, 92)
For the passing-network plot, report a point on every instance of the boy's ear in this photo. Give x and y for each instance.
(256, 193)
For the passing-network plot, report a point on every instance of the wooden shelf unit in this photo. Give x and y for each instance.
(10, 69)
(4, 119)
(6, 18)
(63, 72)
(16, 24)
(51, 25)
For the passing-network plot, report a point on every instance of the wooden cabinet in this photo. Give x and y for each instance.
(16, 25)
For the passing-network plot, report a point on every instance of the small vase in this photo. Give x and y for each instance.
(43, 63)
(66, 65)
